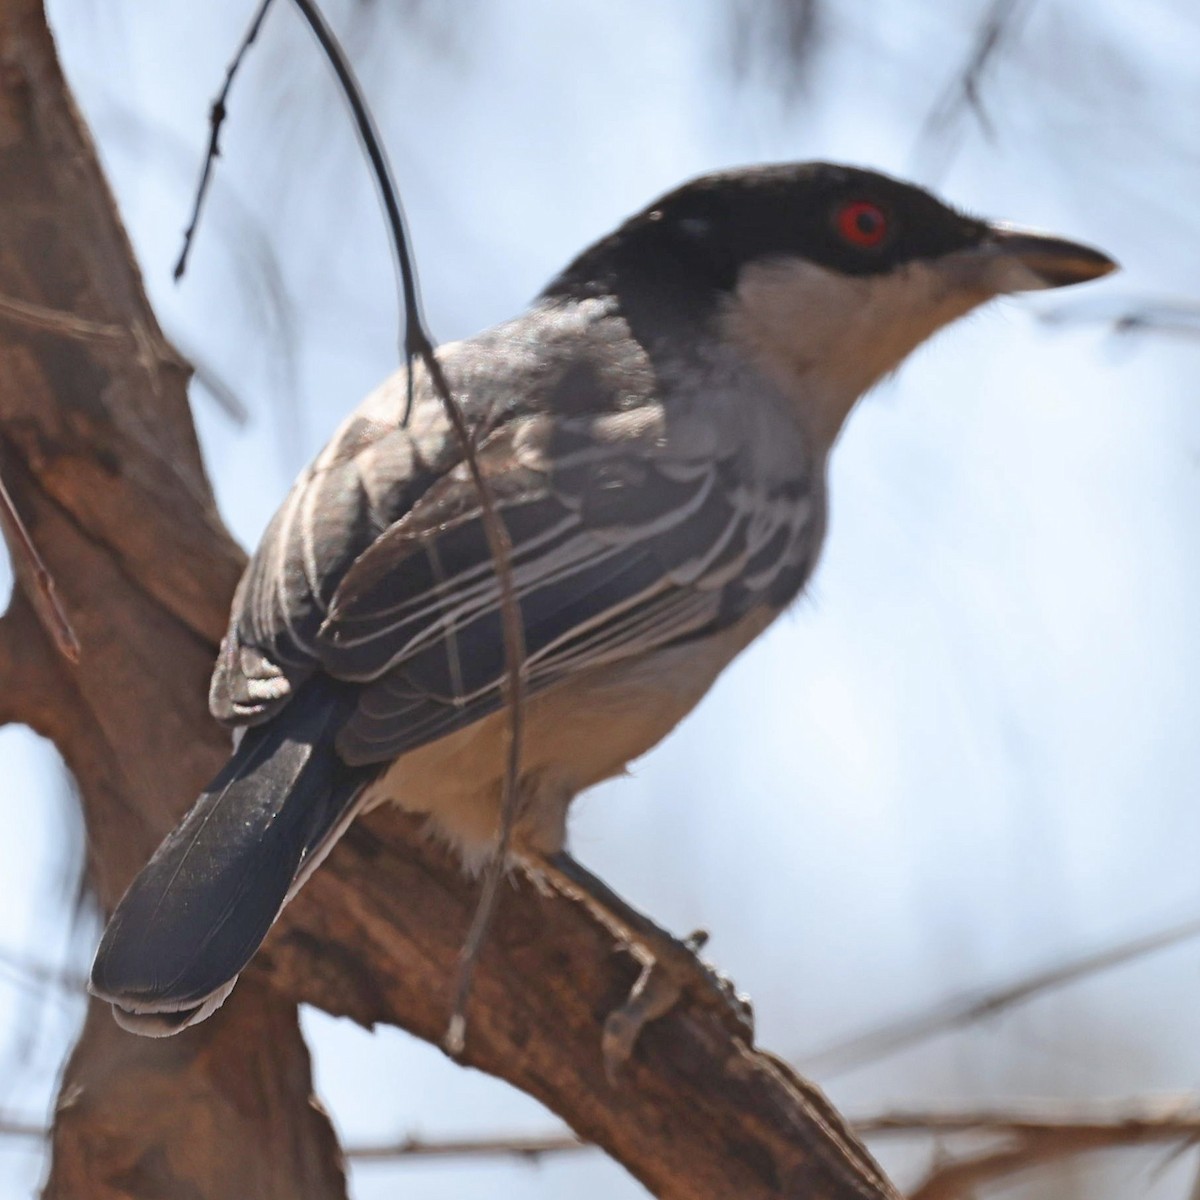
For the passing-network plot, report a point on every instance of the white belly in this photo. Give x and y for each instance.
(585, 730)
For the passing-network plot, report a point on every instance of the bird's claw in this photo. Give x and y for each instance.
(660, 986)
(654, 994)
(669, 967)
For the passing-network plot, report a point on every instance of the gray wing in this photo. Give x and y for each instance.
(627, 536)
(372, 472)
(620, 547)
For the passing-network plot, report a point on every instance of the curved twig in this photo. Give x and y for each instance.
(892, 1036)
(216, 118)
(418, 344)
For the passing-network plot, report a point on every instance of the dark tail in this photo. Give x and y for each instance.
(202, 905)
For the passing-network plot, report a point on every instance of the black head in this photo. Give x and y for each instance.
(853, 221)
(822, 277)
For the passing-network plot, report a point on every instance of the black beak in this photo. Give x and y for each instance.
(1057, 261)
(1023, 260)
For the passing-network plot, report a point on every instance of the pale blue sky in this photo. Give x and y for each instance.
(971, 750)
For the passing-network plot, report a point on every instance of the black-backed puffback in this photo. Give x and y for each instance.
(655, 429)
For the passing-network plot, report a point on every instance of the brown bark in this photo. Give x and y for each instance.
(98, 450)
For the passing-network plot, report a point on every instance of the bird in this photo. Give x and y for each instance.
(655, 431)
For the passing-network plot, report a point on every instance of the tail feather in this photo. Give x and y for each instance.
(202, 905)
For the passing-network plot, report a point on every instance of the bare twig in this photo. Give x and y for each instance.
(1126, 316)
(1030, 1139)
(1035, 1136)
(38, 316)
(216, 118)
(45, 594)
(959, 1178)
(416, 344)
(965, 92)
(531, 1148)
(150, 350)
(892, 1036)
(1029, 1142)
(66, 324)
(207, 376)
(1121, 1123)
(1050, 1132)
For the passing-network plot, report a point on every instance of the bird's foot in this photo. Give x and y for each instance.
(669, 967)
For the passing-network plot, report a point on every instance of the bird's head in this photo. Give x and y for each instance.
(824, 276)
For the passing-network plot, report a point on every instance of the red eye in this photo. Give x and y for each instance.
(862, 223)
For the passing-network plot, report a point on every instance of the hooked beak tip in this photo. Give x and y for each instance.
(1045, 261)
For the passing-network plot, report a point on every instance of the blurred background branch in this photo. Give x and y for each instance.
(892, 1036)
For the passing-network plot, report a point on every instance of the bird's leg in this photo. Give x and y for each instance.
(669, 966)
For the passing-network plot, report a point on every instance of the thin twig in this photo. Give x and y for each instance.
(1057, 1131)
(1031, 1139)
(1125, 316)
(417, 344)
(45, 594)
(965, 91)
(13, 1127)
(52, 320)
(1124, 1122)
(531, 1148)
(960, 1177)
(1032, 1143)
(216, 118)
(150, 350)
(207, 377)
(892, 1036)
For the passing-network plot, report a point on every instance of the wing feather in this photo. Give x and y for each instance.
(377, 568)
(616, 553)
